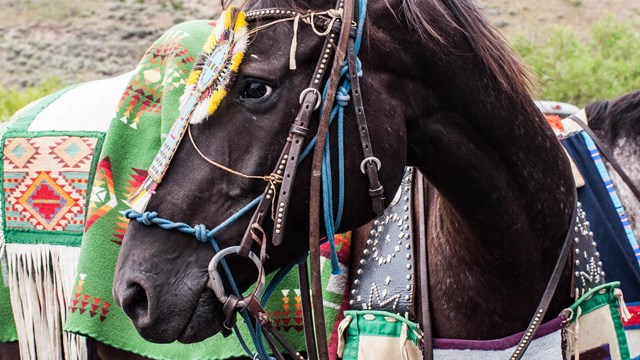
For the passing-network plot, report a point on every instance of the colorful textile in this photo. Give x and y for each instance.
(148, 108)
(595, 325)
(370, 334)
(632, 329)
(619, 258)
(604, 174)
(47, 173)
(591, 327)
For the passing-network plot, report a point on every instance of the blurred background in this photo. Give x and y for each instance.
(579, 50)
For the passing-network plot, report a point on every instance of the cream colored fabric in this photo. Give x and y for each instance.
(99, 98)
(593, 330)
(41, 280)
(380, 347)
(633, 340)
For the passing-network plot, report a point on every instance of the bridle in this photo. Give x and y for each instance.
(339, 51)
(339, 40)
(341, 34)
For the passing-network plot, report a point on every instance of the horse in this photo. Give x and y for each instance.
(615, 122)
(415, 114)
(440, 85)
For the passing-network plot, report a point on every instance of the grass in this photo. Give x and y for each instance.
(575, 70)
(12, 100)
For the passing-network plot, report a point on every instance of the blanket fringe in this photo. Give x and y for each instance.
(41, 280)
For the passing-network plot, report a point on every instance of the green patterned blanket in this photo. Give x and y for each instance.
(50, 206)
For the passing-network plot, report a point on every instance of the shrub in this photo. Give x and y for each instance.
(570, 69)
(12, 100)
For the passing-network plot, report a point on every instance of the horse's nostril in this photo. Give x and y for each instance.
(135, 302)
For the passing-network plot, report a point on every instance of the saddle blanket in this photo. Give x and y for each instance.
(69, 163)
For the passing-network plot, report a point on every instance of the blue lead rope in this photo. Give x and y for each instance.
(332, 223)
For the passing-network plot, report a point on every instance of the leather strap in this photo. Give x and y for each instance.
(608, 155)
(314, 195)
(296, 141)
(550, 290)
(305, 293)
(421, 215)
(271, 332)
(288, 160)
(376, 191)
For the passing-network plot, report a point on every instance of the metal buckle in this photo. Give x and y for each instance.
(307, 90)
(365, 161)
(215, 280)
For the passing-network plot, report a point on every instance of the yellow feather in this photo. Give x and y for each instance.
(227, 18)
(193, 77)
(216, 98)
(211, 43)
(240, 22)
(236, 61)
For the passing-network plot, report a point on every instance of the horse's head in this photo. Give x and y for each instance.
(161, 276)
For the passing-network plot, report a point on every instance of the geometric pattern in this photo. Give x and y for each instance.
(45, 182)
(19, 151)
(47, 201)
(73, 151)
(82, 302)
(137, 178)
(103, 194)
(161, 70)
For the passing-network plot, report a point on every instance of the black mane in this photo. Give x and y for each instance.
(617, 118)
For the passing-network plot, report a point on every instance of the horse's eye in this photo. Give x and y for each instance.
(256, 90)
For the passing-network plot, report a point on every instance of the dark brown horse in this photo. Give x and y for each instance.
(436, 68)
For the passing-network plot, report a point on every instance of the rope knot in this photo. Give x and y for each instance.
(131, 214)
(148, 217)
(201, 233)
(342, 96)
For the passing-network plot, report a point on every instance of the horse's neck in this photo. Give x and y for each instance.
(496, 225)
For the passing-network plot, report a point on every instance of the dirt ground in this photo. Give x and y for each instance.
(530, 17)
(79, 40)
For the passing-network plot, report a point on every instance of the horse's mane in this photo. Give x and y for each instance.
(615, 119)
(491, 47)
